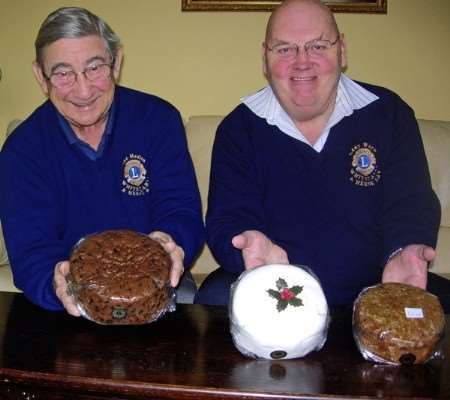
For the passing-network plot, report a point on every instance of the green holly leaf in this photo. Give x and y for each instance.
(274, 294)
(281, 284)
(282, 304)
(296, 289)
(295, 302)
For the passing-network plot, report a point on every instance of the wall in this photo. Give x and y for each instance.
(204, 62)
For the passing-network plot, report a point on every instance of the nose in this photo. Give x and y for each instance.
(302, 57)
(83, 86)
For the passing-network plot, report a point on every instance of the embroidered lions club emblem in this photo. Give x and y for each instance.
(364, 170)
(135, 182)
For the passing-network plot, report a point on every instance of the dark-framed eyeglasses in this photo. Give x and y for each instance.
(313, 48)
(66, 78)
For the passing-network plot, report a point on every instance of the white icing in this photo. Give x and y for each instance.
(258, 328)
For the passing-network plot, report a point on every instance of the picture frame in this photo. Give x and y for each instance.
(346, 6)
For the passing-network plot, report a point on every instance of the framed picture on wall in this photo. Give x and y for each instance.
(351, 6)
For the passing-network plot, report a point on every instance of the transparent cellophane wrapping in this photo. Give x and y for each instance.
(397, 335)
(122, 301)
(282, 347)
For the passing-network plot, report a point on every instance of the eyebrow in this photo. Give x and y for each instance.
(282, 41)
(59, 65)
(95, 58)
(66, 65)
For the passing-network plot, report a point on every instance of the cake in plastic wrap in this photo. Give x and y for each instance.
(395, 323)
(278, 311)
(120, 277)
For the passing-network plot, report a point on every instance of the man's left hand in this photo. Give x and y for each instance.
(175, 252)
(410, 266)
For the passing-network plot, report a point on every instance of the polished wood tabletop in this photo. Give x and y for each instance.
(188, 354)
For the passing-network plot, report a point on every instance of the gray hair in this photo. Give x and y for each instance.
(74, 22)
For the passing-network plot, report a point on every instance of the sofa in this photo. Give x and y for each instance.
(200, 132)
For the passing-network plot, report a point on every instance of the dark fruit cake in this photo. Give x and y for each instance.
(120, 277)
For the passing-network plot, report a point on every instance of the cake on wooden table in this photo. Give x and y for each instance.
(397, 324)
(120, 277)
(278, 311)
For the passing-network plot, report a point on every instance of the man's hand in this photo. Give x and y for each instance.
(176, 254)
(410, 266)
(60, 286)
(258, 250)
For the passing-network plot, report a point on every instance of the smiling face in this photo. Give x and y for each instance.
(305, 86)
(85, 104)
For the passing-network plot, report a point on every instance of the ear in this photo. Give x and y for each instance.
(264, 59)
(39, 75)
(343, 46)
(117, 64)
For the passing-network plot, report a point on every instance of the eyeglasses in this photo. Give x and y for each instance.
(314, 48)
(66, 78)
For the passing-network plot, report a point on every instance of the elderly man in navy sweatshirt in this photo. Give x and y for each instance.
(93, 157)
(319, 170)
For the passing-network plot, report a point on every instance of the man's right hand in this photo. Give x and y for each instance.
(61, 289)
(258, 249)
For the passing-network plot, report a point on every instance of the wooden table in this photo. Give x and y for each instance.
(188, 354)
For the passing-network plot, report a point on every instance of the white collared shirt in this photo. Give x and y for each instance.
(350, 97)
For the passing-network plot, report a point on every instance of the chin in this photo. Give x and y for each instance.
(307, 103)
(85, 118)
(84, 121)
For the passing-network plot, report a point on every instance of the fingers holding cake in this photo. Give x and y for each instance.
(61, 289)
(175, 252)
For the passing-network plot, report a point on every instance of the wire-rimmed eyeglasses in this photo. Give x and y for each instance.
(66, 78)
(313, 48)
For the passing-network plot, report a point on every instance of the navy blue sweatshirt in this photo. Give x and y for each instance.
(342, 211)
(53, 194)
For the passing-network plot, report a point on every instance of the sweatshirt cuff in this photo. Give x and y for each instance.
(393, 254)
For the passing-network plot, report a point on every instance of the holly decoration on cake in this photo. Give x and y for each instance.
(286, 295)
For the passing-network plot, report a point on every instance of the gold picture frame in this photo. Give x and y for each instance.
(347, 6)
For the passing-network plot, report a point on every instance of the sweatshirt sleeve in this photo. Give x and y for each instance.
(235, 195)
(411, 210)
(31, 221)
(175, 205)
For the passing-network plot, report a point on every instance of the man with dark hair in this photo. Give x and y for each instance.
(317, 169)
(94, 157)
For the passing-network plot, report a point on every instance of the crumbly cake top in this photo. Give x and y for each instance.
(382, 311)
(118, 255)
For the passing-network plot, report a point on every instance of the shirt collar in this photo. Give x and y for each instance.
(350, 97)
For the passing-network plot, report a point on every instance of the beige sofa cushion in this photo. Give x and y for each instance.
(6, 280)
(200, 131)
(441, 263)
(3, 255)
(436, 140)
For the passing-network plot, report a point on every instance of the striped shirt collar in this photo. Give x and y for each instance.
(350, 97)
